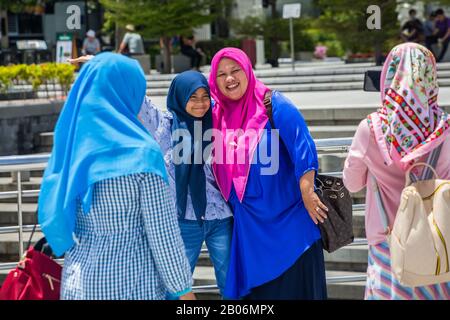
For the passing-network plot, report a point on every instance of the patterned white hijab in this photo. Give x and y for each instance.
(409, 123)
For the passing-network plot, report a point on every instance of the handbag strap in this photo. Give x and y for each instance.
(268, 104)
(32, 234)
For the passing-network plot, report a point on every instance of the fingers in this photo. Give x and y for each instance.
(313, 217)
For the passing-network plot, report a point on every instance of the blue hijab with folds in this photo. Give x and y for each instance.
(189, 177)
(97, 136)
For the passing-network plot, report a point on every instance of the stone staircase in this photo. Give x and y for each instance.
(328, 77)
(348, 261)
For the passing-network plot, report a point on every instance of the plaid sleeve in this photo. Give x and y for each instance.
(150, 116)
(164, 235)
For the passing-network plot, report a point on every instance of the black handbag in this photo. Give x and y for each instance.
(337, 229)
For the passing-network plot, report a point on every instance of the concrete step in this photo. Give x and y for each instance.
(8, 214)
(349, 258)
(7, 184)
(204, 275)
(359, 227)
(9, 245)
(324, 132)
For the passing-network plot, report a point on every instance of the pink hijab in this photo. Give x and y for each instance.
(248, 114)
(410, 123)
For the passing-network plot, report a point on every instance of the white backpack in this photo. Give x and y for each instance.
(419, 241)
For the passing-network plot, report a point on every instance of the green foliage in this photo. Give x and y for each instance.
(347, 19)
(37, 75)
(327, 39)
(157, 18)
(279, 28)
(20, 5)
(6, 77)
(211, 47)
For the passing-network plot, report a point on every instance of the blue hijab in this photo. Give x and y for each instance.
(97, 136)
(189, 176)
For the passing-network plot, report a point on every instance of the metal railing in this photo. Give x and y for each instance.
(19, 164)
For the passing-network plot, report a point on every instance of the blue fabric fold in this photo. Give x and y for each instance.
(97, 136)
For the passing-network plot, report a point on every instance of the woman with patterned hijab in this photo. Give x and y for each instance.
(407, 127)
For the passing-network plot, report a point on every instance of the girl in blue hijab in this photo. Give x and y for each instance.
(203, 215)
(104, 199)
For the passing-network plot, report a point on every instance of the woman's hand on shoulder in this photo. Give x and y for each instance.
(80, 59)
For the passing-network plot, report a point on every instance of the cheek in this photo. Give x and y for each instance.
(221, 85)
(189, 107)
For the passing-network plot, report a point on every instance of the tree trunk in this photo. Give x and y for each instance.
(4, 40)
(378, 53)
(167, 53)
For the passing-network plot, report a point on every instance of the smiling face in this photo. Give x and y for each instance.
(199, 103)
(231, 79)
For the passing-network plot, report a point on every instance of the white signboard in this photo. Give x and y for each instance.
(292, 10)
(63, 51)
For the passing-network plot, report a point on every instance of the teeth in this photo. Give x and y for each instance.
(232, 86)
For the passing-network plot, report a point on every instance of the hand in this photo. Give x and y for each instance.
(188, 296)
(80, 59)
(316, 209)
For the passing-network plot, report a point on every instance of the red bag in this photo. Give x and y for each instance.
(36, 277)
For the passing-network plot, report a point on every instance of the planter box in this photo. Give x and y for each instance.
(17, 95)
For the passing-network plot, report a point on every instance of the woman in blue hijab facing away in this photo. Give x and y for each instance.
(104, 200)
(203, 214)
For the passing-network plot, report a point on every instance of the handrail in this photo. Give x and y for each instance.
(337, 144)
(21, 163)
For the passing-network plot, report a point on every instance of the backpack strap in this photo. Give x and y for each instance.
(432, 161)
(427, 173)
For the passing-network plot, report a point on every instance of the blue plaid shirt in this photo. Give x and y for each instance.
(130, 245)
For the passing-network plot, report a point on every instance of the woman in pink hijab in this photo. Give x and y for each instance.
(268, 179)
(406, 129)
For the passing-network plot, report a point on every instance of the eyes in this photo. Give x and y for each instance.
(195, 99)
(234, 71)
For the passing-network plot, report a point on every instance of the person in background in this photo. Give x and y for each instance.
(132, 43)
(91, 45)
(443, 25)
(412, 30)
(276, 248)
(105, 201)
(407, 127)
(187, 47)
(430, 32)
(203, 215)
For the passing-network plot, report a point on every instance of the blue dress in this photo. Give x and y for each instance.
(272, 228)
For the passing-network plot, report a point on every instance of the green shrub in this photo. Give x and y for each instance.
(37, 75)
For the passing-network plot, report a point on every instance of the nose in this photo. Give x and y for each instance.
(229, 78)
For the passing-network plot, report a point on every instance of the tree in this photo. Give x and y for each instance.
(348, 20)
(160, 18)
